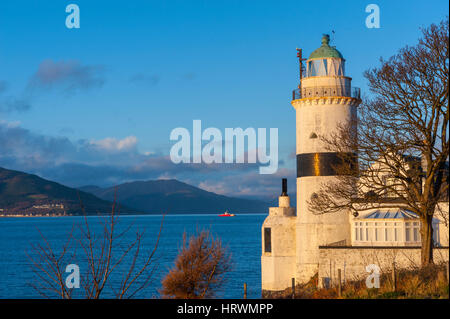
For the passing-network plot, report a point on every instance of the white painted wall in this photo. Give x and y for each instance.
(277, 266)
(321, 116)
(353, 261)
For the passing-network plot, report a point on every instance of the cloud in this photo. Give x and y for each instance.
(12, 104)
(141, 78)
(293, 155)
(79, 174)
(3, 86)
(215, 187)
(29, 150)
(66, 131)
(250, 184)
(189, 76)
(115, 145)
(111, 161)
(69, 75)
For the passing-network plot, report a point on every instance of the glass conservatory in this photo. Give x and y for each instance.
(389, 227)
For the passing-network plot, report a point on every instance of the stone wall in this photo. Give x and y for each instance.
(278, 262)
(353, 261)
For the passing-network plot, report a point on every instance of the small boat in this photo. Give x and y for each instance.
(226, 214)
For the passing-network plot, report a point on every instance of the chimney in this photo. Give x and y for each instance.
(284, 187)
(283, 200)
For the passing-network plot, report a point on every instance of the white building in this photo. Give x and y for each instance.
(299, 244)
(390, 227)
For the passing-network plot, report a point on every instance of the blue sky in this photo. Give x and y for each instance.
(135, 70)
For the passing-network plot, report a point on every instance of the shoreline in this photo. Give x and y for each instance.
(128, 215)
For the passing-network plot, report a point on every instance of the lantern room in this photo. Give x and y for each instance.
(325, 61)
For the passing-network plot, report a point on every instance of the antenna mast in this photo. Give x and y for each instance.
(301, 67)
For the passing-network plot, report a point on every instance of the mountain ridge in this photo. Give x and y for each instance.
(21, 192)
(174, 197)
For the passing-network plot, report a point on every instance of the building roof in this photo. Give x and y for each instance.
(325, 51)
(390, 213)
(393, 213)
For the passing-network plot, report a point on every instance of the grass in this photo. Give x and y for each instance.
(417, 283)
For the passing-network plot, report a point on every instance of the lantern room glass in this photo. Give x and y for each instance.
(325, 67)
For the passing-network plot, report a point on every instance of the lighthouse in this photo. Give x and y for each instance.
(298, 243)
(323, 101)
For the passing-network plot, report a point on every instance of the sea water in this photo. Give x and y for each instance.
(241, 234)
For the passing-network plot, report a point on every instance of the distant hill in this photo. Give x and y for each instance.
(175, 197)
(19, 192)
(89, 188)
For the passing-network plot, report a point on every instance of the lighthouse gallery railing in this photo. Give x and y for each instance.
(353, 92)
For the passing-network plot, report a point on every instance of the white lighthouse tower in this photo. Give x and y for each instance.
(324, 100)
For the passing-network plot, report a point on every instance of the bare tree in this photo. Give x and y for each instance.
(400, 138)
(49, 267)
(104, 256)
(199, 270)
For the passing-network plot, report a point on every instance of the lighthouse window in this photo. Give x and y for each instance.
(267, 240)
(317, 68)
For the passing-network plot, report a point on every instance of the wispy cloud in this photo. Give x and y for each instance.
(111, 160)
(111, 144)
(189, 76)
(11, 103)
(71, 76)
(3, 86)
(251, 184)
(145, 79)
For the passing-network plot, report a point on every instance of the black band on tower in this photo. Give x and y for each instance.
(326, 164)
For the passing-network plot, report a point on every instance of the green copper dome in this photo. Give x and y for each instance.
(325, 51)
